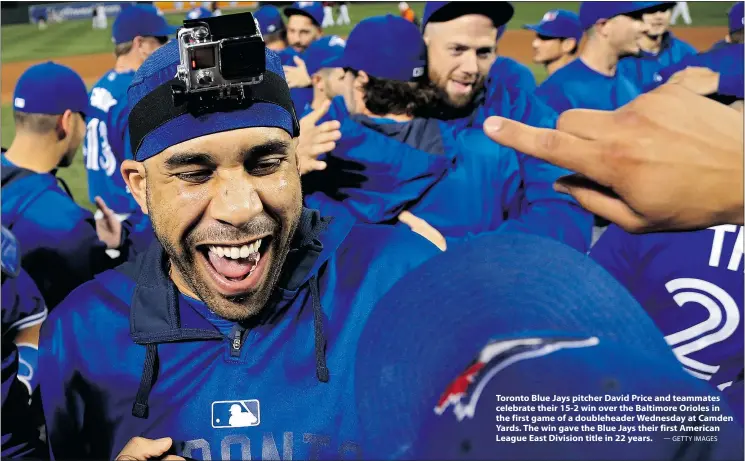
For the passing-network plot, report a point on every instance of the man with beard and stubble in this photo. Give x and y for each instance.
(461, 40)
(246, 299)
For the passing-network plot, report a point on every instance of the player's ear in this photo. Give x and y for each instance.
(361, 80)
(568, 44)
(135, 175)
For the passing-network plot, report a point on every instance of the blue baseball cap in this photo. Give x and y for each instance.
(388, 47)
(422, 335)
(323, 52)
(50, 88)
(736, 17)
(160, 68)
(140, 20)
(313, 10)
(499, 12)
(270, 19)
(199, 13)
(592, 12)
(558, 24)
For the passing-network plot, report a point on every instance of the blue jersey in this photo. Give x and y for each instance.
(60, 248)
(438, 182)
(22, 307)
(576, 86)
(641, 69)
(219, 390)
(691, 284)
(511, 73)
(106, 142)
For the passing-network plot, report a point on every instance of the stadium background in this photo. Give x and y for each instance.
(90, 52)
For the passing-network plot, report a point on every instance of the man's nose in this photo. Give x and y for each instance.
(236, 200)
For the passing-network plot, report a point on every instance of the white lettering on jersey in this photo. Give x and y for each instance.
(718, 243)
(102, 99)
(96, 159)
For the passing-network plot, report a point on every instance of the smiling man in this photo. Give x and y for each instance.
(247, 301)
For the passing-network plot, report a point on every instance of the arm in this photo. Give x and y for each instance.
(545, 211)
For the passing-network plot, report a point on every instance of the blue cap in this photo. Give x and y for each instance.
(313, 10)
(323, 52)
(736, 17)
(558, 24)
(499, 12)
(50, 88)
(199, 13)
(160, 68)
(388, 47)
(270, 19)
(140, 20)
(592, 12)
(496, 287)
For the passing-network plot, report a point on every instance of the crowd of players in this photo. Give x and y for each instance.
(440, 206)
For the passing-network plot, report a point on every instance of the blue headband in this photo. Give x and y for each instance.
(153, 127)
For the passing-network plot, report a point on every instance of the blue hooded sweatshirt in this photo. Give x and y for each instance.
(127, 355)
(458, 186)
(640, 69)
(59, 246)
(543, 211)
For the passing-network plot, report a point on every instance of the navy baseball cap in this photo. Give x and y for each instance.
(154, 127)
(388, 47)
(199, 13)
(323, 53)
(140, 20)
(736, 17)
(50, 88)
(313, 10)
(270, 19)
(592, 12)
(422, 335)
(558, 24)
(499, 12)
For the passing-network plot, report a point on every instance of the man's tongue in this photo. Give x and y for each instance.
(231, 268)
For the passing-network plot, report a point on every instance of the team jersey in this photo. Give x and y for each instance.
(576, 86)
(640, 69)
(127, 355)
(512, 74)
(106, 141)
(691, 284)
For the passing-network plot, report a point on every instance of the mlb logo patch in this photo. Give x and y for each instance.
(550, 16)
(20, 103)
(418, 72)
(235, 413)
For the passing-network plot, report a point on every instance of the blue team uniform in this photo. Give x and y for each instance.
(691, 284)
(22, 307)
(106, 146)
(576, 86)
(195, 380)
(59, 245)
(543, 211)
(641, 69)
(439, 181)
(512, 74)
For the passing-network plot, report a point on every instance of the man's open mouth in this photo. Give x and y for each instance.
(238, 268)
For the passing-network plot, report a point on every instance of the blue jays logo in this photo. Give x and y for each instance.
(550, 16)
(11, 256)
(464, 391)
(235, 413)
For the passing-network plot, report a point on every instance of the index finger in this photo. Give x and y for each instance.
(557, 147)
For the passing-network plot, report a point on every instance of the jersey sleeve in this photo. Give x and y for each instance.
(618, 253)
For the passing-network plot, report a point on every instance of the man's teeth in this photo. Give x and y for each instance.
(234, 252)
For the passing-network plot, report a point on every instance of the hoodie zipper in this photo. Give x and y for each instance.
(236, 340)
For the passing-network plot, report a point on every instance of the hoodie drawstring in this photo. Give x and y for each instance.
(322, 372)
(140, 407)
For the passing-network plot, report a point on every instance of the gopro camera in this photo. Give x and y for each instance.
(219, 55)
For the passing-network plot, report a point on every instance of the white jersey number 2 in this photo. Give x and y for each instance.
(724, 317)
(97, 150)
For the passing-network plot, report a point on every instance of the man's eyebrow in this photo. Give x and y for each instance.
(189, 159)
(268, 148)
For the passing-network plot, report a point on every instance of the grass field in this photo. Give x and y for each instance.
(25, 42)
